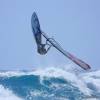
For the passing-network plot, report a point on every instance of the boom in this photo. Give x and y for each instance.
(67, 54)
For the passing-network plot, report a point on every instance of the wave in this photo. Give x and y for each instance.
(49, 84)
(6, 94)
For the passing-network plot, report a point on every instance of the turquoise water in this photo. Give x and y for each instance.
(49, 84)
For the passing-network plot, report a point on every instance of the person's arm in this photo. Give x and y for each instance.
(49, 48)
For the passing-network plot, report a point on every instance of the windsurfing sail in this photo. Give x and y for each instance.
(37, 31)
(67, 54)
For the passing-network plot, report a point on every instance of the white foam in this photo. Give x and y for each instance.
(93, 78)
(6, 94)
(44, 95)
(11, 73)
(79, 81)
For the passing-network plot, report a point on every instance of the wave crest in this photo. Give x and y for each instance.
(50, 83)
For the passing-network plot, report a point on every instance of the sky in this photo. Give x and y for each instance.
(73, 23)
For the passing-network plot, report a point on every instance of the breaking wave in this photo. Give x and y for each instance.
(6, 94)
(49, 84)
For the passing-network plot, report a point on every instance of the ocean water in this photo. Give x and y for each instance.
(49, 84)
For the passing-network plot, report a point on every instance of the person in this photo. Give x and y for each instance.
(41, 48)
